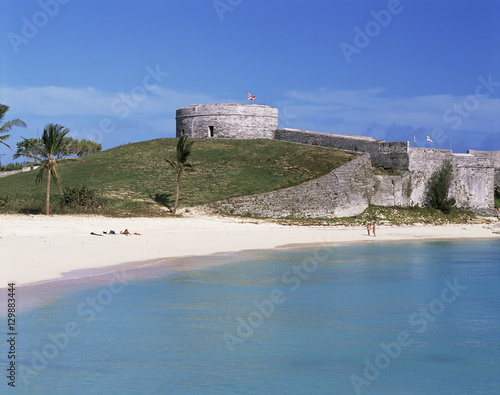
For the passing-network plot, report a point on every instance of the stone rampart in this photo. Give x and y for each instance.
(392, 190)
(495, 157)
(472, 180)
(353, 186)
(23, 170)
(383, 154)
(341, 193)
(227, 120)
(9, 173)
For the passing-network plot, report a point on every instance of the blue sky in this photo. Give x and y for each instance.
(116, 71)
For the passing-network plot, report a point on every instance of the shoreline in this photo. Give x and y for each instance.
(37, 249)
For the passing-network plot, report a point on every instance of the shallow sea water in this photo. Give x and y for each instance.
(399, 318)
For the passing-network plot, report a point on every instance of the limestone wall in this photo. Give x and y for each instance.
(227, 120)
(343, 192)
(393, 155)
(9, 173)
(329, 140)
(383, 154)
(392, 191)
(23, 170)
(495, 157)
(473, 175)
(472, 182)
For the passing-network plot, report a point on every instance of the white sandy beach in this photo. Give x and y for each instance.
(37, 248)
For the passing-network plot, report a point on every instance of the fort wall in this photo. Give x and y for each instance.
(227, 120)
(495, 157)
(349, 189)
(343, 192)
(383, 154)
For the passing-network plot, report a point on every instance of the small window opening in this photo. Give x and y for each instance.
(211, 131)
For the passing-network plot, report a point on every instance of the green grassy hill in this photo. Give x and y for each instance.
(130, 176)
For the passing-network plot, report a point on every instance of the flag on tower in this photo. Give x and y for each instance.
(415, 139)
(429, 139)
(251, 97)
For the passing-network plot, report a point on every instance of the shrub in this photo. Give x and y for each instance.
(4, 201)
(12, 166)
(438, 188)
(82, 197)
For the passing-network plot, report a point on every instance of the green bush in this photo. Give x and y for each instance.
(12, 166)
(438, 188)
(4, 201)
(82, 197)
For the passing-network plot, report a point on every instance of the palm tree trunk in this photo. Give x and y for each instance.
(47, 201)
(177, 191)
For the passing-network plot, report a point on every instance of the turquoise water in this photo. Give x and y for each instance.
(402, 318)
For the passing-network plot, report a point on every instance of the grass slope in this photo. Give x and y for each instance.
(131, 175)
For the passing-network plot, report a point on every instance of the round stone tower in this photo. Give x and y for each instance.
(227, 120)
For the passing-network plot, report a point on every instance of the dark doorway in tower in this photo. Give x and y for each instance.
(210, 131)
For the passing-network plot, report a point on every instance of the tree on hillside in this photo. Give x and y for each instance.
(45, 157)
(69, 147)
(81, 148)
(438, 188)
(5, 127)
(28, 148)
(180, 163)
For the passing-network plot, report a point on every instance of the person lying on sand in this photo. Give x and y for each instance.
(126, 232)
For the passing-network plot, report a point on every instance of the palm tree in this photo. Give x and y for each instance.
(52, 140)
(179, 164)
(7, 126)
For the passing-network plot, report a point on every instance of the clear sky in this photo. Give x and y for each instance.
(116, 71)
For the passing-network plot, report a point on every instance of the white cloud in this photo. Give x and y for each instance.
(52, 101)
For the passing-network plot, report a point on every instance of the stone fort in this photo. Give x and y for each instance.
(384, 173)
